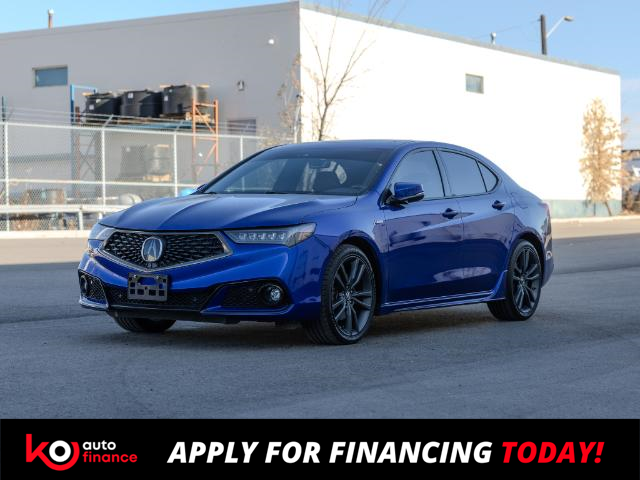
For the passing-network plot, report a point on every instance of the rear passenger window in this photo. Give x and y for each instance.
(464, 174)
(421, 167)
(490, 180)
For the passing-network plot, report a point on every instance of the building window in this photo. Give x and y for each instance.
(51, 76)
(475, 83)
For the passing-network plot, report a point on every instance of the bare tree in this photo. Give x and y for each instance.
(602, 143)
(330, 76)
(290, 96)
(627, 179)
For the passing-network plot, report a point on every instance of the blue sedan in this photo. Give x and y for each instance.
(328, 235)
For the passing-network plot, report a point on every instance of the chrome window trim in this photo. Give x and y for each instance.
(225, 246)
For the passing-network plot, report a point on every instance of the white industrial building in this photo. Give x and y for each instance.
(524, 111)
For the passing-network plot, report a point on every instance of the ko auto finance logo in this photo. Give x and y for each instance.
(60, 455)
(54, 459)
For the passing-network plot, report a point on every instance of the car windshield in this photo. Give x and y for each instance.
(279, 171)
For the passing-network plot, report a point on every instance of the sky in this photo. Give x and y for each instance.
(604, 33)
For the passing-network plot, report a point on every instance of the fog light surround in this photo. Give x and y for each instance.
(84, 285)
(272, 294)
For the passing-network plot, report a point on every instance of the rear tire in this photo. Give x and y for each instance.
(524, 285)
(348, 299)
(144, 325)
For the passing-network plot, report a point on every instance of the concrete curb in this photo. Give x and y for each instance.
(595, 219)
(44, 234)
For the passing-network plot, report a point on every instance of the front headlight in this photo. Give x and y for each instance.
(288, 236)
(100, 233)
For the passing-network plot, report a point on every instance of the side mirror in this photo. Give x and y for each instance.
(199, 189)
(406, 192)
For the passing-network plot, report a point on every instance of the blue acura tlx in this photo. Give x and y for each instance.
(328, 235)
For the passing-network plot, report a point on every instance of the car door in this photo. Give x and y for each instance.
(487, 216)
(424, 237)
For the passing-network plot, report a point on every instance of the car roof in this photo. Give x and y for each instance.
(368, 144)
(388, 146)
(346, 145)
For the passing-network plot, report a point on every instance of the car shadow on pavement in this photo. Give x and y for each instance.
(259, 336)
(428, 321)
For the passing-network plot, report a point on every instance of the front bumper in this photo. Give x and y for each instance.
(204, 287)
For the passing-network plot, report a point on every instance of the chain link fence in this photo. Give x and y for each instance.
(59, 177)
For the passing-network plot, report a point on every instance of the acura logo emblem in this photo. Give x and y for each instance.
(152, 249)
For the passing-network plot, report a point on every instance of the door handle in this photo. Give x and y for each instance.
(450, 213)
(498, 205)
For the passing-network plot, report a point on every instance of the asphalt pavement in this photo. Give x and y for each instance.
(578, 357)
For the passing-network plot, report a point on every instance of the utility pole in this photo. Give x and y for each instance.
(543, 33)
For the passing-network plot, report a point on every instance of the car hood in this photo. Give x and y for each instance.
(214, 212)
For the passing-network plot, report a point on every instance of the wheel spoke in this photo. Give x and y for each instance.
(354, 272)
(338, 304)
(348, 325)
(359, 275)
(354, 315)
(532, 293)
(363, 294)
(525, 259)
(532, 270)
(345, 277)
(525, 296)
(519, 297)
(339, 280)
(364, 305)
(338, 316)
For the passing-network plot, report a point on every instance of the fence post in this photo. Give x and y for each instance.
(5, 149)
(241, 148)
(175, 164)
(80, 219)
(103, 166)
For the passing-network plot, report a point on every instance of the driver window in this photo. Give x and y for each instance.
(421, 167)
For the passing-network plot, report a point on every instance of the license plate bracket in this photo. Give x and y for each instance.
(147, 287)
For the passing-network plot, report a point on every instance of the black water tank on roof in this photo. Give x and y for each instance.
(131, 102)
(178, 99)
(102, 103)
(151, 105)
(141, 103)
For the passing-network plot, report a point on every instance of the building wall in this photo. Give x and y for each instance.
(216, 48)
(412, 86)
(409, 84)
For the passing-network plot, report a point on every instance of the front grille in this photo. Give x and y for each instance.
(194, 300)
(178, 248)
(95, 293)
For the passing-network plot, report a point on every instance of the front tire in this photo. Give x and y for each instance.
(348, 299)
(144, 325)
(524, 285)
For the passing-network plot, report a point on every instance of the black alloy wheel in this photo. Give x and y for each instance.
(352, 296)
(525, 281)
(524, 284)
(348, 299)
